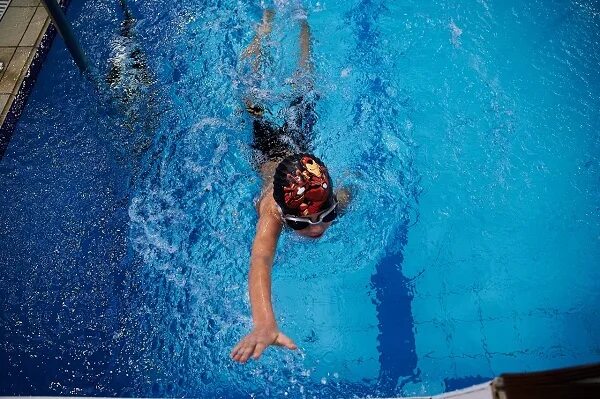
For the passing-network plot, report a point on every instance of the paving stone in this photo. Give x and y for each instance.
(15, 68)
(6, 54)
(24, 3)
(36, 27)
(3, 102)
(14, 24)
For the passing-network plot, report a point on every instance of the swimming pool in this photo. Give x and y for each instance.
(467, 131)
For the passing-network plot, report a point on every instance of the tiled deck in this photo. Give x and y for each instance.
(21, 30)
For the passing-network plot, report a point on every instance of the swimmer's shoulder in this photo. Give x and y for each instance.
(266, 200)
(343, 196)
(266, 205)
(267, 172)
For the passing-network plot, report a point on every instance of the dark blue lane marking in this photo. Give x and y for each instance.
(393, 296)
(393, 293)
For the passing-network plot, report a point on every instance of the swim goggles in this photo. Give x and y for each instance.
(326, 216)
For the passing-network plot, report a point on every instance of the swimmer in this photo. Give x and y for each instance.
(297, 190)
(131, 85)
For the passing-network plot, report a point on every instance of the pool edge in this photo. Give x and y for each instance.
(19, 94)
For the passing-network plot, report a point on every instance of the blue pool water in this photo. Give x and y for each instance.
(468, 132)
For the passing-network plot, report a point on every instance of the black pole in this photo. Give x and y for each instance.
(63, 27)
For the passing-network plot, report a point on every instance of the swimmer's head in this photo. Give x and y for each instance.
(302, 188)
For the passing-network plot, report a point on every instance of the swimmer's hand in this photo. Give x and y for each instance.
(254, 344)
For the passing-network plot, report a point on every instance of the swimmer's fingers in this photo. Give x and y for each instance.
(246, 352)
(239, 354)
(284, 340)
(244, 349)
(238, 351)
(258, 350)
(255, 343)
(236, 348)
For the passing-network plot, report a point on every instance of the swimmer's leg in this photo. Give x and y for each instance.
(255, 53)
(254, 49)
(300, 119)
(301, 116)
(302, 80)
(265, 143)
(305, 63)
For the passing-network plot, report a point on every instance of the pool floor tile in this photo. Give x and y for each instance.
(14, 24)
(473, 365)
(432, 340)
(467, 340)
(502, 336)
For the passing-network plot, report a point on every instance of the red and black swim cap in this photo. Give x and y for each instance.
(302, 185)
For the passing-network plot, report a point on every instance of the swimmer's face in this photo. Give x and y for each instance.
(314, 230)
(312, 226)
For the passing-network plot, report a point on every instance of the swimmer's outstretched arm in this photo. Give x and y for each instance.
(265, 331)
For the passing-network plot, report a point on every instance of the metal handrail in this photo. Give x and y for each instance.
(64, 28)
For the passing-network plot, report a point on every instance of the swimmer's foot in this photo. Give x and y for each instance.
(267, 20)
(300, 14)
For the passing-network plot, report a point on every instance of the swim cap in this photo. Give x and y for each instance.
(301, 185)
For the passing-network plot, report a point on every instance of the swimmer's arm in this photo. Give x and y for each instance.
(265, 331)
(261, 262)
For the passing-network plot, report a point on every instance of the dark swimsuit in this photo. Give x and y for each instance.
(272, 142)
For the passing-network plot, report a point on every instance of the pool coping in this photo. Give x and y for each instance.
(27, 34)
(480, 391)
(580, 381)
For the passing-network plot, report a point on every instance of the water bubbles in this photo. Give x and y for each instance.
(456, 32)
